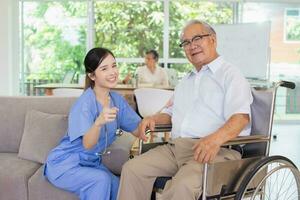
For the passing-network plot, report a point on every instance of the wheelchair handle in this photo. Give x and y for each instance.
(287, 84)
(148, 131)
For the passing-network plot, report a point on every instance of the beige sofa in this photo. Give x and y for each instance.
(29, 128)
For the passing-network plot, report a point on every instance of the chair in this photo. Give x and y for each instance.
(68, 77)
(257, 175)
(70, 92)
(150, 101)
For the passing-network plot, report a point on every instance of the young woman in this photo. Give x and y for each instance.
(75, 164)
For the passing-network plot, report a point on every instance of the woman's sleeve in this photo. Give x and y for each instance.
(80, 121)
(129, 119)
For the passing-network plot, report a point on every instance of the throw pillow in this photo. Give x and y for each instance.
(42, 132)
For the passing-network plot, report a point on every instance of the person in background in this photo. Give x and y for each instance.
(127, 78)
(75, 164)
(211, 106)
(150, 74)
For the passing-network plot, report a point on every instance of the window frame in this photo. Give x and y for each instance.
(165, 59)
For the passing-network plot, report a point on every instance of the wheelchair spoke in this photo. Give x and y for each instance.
(275, 180)
(281, 186)
(283, 180)
(290, 185)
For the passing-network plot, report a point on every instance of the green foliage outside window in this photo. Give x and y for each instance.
(52, 46)
(129, 29)
(183, 11)
(55, 32)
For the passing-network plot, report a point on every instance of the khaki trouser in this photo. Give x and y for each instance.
(174, 159)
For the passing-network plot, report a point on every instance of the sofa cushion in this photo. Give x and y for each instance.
(42, 132)
(40, 188)
(14, 176)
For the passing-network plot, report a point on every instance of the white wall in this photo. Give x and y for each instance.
(9, 51)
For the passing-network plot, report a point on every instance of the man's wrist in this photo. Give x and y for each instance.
(151, 118)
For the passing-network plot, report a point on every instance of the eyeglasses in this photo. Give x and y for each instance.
(196, 39)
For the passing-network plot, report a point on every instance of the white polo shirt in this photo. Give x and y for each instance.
(205, 100)
(158, 78)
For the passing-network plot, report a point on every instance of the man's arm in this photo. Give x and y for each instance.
(206, 149)
(149, 123)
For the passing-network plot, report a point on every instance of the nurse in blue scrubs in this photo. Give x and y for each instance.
(75, 164)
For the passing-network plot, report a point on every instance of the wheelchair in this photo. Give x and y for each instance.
(257, 175)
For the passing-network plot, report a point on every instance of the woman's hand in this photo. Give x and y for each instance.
(107, 115)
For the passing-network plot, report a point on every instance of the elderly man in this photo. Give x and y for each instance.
(151, 73)
(211, 106)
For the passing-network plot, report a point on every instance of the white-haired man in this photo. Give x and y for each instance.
(211, 106)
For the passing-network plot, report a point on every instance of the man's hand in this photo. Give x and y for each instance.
(146, 123)
(206, 149)
(127, 79)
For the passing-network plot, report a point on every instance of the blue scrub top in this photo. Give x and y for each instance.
(70, 151)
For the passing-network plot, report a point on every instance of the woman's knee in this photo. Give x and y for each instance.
(103, 177)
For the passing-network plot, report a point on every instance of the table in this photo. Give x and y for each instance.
(126, 90)
(121, 88)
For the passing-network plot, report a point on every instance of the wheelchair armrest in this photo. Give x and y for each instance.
(255, 138)
(157, 128)
(162, 128)
(247, 139)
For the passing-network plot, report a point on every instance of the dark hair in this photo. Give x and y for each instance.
(154, 53)
(91, 62)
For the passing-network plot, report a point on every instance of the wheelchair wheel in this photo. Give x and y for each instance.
(272, 178)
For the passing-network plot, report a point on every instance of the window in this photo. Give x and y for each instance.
(292, 25)
(129, 28)
(285, 49)
(54, 40)
(58, 33)
(183, 11)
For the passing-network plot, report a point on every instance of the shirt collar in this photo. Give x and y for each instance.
(213, 66)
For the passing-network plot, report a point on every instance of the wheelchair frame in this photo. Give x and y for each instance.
(252, 173)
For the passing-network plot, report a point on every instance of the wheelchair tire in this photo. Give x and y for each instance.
(272, 178)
